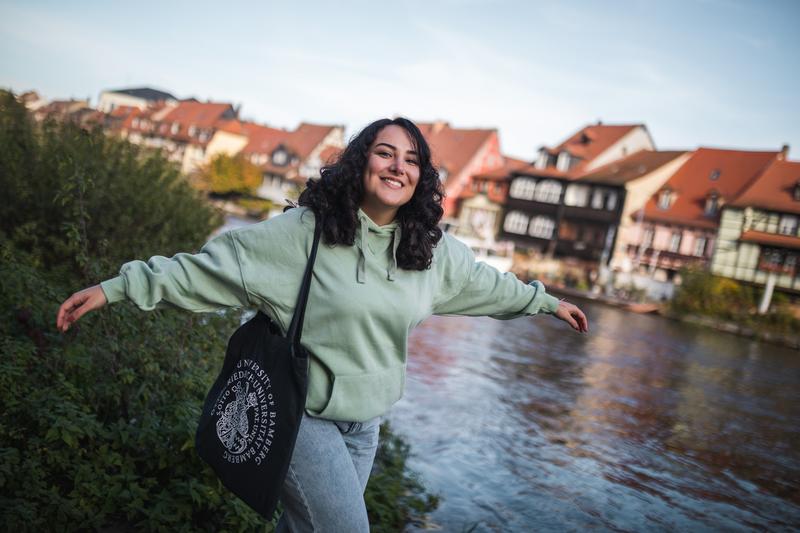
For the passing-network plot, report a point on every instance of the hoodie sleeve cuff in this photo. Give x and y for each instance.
(542, 302)
(114, 289)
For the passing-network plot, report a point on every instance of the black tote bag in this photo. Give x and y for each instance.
(252, 413)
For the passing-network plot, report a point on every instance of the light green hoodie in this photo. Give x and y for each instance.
(361, 307)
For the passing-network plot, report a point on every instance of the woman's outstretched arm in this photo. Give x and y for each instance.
(208, 280)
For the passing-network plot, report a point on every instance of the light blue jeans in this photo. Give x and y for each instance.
(330, 466)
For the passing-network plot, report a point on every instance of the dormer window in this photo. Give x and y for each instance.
(714, 176)
(664, 199)
(541, 161)
(175, 128)
(712, 204)
(564, 161)
(192, 130)
(443, 174)
(280, 157)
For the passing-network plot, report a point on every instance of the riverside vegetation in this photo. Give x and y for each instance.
(98, 424)
(702, 293)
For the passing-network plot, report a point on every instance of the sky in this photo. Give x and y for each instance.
(721, 73)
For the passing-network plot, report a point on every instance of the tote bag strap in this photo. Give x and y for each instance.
(296, 327)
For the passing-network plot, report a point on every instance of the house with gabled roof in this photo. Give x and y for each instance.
(459, 154)
(601, 202)
(759, 232)
(183, 129)
(287, 158)
(482, 202)
(139, 97)
(678, 225)
(536, 202)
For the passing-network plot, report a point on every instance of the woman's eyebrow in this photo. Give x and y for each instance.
(395, 148)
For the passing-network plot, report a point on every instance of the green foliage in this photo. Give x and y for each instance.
(703, 293)
(230, 174)
(394, 496)
(79, 194)
(98, 424)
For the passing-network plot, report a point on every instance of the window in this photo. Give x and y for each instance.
(280, 157)
(797, 191)
(522, 188)
(647, 240)
(788, 225)
(192, 130)
(442, 174)
(597, 199)
(577, 195)
(564, 161)
(700, 246)
(175, 128)
(541, 227)
(541, 161)
(516, 222)
(664, 199)
(548, 191)
(611, 200)
(675, 242)
(714, 176)
(712, 204)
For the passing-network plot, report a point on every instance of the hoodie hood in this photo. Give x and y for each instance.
(378, 241)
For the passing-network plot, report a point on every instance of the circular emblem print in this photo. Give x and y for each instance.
(245, 414)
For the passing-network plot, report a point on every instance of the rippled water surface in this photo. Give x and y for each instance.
(643, 424)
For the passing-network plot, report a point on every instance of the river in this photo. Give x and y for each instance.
(644, 424)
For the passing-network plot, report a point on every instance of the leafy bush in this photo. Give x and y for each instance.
(230, 174)
(703, 293)
(394, 496)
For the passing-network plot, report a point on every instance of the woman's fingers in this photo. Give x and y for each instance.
(573, 316)
(78, 305)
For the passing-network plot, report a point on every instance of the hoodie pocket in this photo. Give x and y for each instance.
(364, 396)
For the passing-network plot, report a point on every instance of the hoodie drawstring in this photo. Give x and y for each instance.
(361, 269)
(395, 245)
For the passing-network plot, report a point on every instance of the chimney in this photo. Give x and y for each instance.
(784, 152)
(438, 126)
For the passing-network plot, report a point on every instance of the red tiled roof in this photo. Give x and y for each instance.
(329, 154)
(199, 114)
(629, 168)
(261, 139)
(122, 111)
(774, 190)
(692, 184)
(453, 148)
(510, 164)
(592, 140)
(306, 137)
(771, 239)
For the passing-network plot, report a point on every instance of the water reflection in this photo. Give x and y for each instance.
(643, 424)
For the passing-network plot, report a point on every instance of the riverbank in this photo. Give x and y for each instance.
(789, 341)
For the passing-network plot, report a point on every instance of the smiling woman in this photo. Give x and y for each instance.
(383, 266)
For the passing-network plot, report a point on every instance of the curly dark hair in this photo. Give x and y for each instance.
(336, 196)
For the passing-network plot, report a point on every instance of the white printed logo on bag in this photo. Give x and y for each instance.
(245, 413)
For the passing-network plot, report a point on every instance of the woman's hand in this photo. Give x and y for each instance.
(573, 316)
(78, 305)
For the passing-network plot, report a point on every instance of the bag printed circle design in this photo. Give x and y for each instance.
(245, 414)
